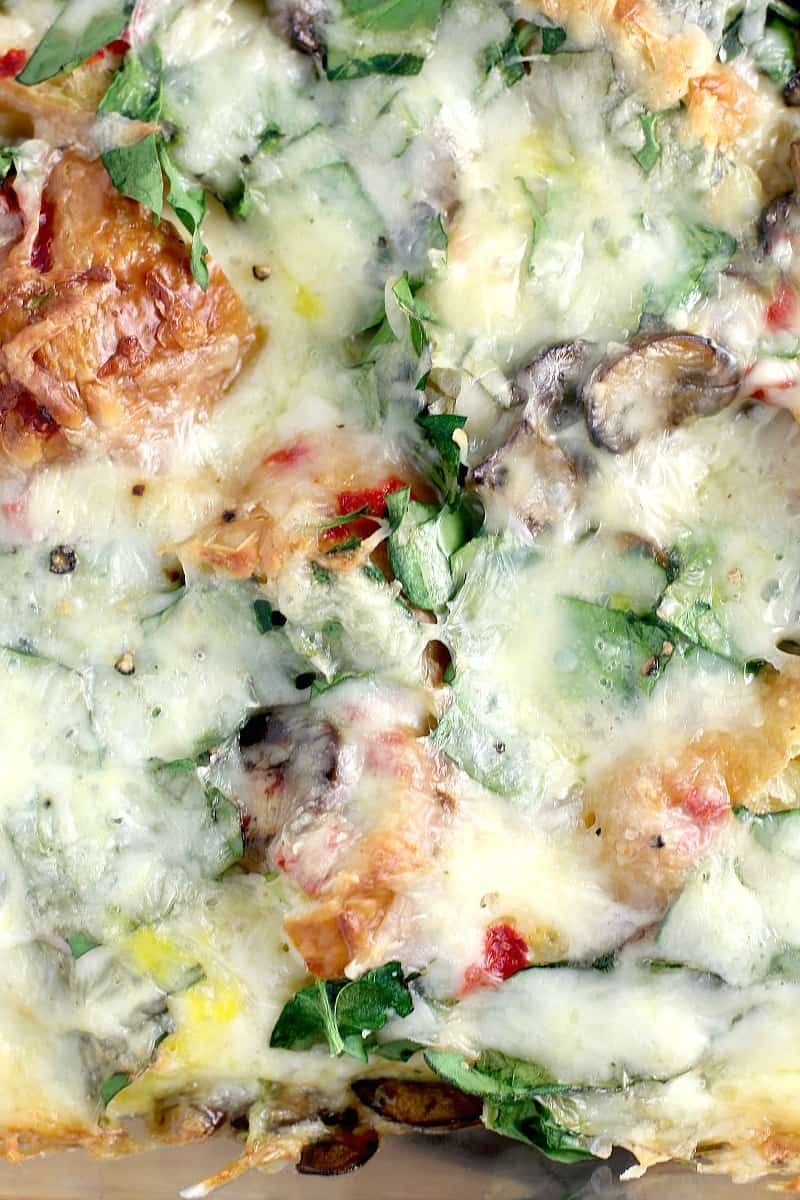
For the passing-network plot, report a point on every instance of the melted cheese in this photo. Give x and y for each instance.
(622, 632)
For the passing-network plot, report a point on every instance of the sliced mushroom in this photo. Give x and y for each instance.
(304, 34)
(422, 1103)
(550, 384)
(530, 474)
(660, 382)
(344, 1151)
(779, 221)
(290, 761)
(791, 90)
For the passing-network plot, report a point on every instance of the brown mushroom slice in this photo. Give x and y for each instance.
(791, 90)
(552, 379)
(342, 1152)
(290, 762)
(662, 381)
(530, 474)
(423, 1103)
(779, 222)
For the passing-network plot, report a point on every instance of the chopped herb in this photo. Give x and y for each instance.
(80, 943)
(377, 64)
(335, 522)
(650, 152)
(416, 310)
(508, 56)
(79, 30)
(319, 573)
(553, 38)
(135, 92)
(611, 648)
(493, 1075)
(7, 160)
(345, 1014)
(399, 1050)
(537, 221)
(263, 614)
(351, 543)
(189, 206)
(112, 1085)
(320, 685)
(393, 14)
(531, 1121)
(438, 430)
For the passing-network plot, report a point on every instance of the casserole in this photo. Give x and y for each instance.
(399, 592)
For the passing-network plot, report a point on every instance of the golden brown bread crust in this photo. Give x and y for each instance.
(665, 65)
(656, 817)
(102, 327)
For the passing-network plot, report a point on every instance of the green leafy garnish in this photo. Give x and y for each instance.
(351, 543)
(438, 430)
(345, 1014)
(650, 152)
(189, 206)
(135, 93)
(112, 1085)
(689, 603)
(417, 312)
(81, 29)
(225, 815)
(262, 610)
(708, 251)
(80, 943)
(7, 160)
(398, 1050)
(615, 651)
(393, 14)
(537, 222)
(508, 56)
(136, 171)
(511, 1091)
(377, 64)
(493, 1075)
(531, 1121)
(363, 39)
(355, 515)
(553, 38)
(421, 544)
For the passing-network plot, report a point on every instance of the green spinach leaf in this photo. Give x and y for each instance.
(493, 1075)
(135, 92)
(345, 1014)
(80, 942)
(553, 38)
(393, 14)
(189, 205)
(531, 1121)
(614, 651)
(650, 152)
(115, 1083)
(438, 430)
(81, 29)
(509, 56)
(689, 602)
(7, 161)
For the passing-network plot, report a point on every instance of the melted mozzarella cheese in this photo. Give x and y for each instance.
(604, 695)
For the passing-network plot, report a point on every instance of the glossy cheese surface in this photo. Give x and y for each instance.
(399, 571)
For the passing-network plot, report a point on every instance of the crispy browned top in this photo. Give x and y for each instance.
(102, 327)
